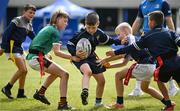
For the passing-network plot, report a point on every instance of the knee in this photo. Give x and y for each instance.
(144, 89)
(87, 73)
(101, 83)
(118, 76)
(65, 75)
(23, 71)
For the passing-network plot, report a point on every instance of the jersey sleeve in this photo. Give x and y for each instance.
(71, 45)
(105, 39)
(7, 34)
(176, 38)
(31, 33)
(56, 37)
(131, 48)
(166, 9)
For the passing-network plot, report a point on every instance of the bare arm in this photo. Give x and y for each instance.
(121, 64)
(105, 61)
(136, 25)
(170, 23)
(59, 53)
(112, 58)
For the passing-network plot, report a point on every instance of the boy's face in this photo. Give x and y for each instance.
(29, 14)
(123, 32)
(151, 24)
(91, 28)
(62, 22)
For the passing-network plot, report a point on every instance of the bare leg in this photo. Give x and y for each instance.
(86, 75)
(55, 71)
(85, 82)
(150, 90)
(119, 82)
(163, 90)
(21, 72)
(100, 84)
(23, 77)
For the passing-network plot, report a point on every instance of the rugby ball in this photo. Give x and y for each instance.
(84, 45)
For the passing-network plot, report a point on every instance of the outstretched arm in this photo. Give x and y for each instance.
(58, 52)
(121, 64)
(136, 25)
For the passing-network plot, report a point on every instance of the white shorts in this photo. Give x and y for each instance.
(143, 72)
(16, 55)
(34, 63)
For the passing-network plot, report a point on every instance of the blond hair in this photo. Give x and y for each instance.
(123, 25)
(58, 14)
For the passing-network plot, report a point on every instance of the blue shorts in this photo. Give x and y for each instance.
(171, 68)
(93, 65)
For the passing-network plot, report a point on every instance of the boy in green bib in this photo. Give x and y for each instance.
(45, 41)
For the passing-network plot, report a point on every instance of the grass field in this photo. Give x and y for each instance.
(145, 102)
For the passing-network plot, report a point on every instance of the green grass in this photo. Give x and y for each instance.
(7, 69)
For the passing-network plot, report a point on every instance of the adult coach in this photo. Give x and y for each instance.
(146, 7)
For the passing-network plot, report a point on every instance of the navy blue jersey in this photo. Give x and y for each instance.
(97, 38)
(17, 30)
(159, 41)
(142, 56)
(148, 6)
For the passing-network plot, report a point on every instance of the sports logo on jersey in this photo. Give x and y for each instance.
(144, 7)
(157, 6)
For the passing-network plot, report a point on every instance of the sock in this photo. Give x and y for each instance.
(166, 102)
(98, 100)
(138, 85)
(63, 101)
(119, 100)
(171, 84)
(85, 90)
(163, 101)
(9, 86)
(42, 90)
(20, 91)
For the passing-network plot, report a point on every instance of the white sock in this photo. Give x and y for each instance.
(138, 85)
(172, 84)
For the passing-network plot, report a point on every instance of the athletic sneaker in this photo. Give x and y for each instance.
(136, 92)
(169, 108)
(7, 92)
(98, 104)
(115, 106)
(21, 96)
(41, 98)
(173, 91)
(65, 107)
(84, 96)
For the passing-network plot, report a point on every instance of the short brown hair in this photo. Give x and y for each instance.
(157, 16)
(29, 6)
(92, 18)
(58, 14)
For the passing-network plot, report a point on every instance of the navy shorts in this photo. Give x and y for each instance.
(93, 65)
(171, 68)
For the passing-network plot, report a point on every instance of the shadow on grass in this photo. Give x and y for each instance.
(5, 100)
(137, 97)
(35, 108)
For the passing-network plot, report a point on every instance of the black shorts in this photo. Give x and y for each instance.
(171, 68)
(93, 65)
